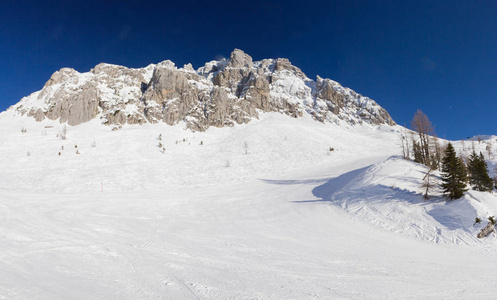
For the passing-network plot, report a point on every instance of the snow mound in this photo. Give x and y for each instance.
(389, 195)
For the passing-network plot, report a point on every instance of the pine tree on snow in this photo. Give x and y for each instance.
(417, 151)
(454, 175)
(478, 173)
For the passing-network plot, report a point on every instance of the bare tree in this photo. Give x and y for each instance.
(424, 129)
(495, 177)
(435, 152)
(427, 183)
(489, 150)
(404, 141)
(63, 132)
(408, 151)
(464, 149)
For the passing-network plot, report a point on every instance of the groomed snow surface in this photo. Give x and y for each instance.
(259, 211)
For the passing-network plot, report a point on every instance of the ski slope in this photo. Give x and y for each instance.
(259, 211)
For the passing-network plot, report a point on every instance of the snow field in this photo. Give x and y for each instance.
(287, 220)
(129, 159)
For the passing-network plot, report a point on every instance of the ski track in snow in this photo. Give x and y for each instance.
(287, 220)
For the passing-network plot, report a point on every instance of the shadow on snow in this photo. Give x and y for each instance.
(331, 190)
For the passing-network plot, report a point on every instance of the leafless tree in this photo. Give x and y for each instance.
(435, 152)
(424, 129)
(428, 183)
(408, 151)
(404, 141)
(464, 149)
(63, 132)
(495, 177)
(489, 150)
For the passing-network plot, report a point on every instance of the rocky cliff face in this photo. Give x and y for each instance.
(221, 93)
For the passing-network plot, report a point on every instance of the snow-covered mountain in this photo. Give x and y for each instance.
(276, 206)
(219, 94)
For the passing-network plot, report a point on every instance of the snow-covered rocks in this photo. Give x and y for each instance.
(222, 93)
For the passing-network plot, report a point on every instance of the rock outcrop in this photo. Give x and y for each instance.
(221, 93)
(487, 230)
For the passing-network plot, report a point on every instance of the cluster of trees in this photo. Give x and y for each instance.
(478, 174)
(424, 147)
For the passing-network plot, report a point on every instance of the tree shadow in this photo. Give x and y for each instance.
(324, 191)
(452, 215)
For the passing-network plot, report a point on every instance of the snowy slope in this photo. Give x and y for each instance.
(389, 195)
(129, 159)
(282, 218)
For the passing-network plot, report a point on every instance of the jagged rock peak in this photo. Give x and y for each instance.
(61, 75)
(221, 93)
(240, 59)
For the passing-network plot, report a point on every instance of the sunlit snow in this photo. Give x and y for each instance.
(279, 208)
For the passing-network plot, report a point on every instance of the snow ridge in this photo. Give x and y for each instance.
(388, 195)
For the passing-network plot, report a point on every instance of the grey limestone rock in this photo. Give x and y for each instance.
(240, 59)
(487, 230)
(283, 64)
(221, 93)
(258, 92)
(37, 114)
(326, 91)
(188, 67)
(82, 107)
(64, 74)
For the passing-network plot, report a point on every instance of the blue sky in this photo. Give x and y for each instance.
(437, 56)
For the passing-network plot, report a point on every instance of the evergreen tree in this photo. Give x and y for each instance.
(418, 154)
(472, 159)
(486, 181)
(454, 175)
(478, 173)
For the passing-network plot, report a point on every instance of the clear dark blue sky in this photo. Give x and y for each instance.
(438, 56)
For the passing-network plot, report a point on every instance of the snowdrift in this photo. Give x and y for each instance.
(389, 195)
